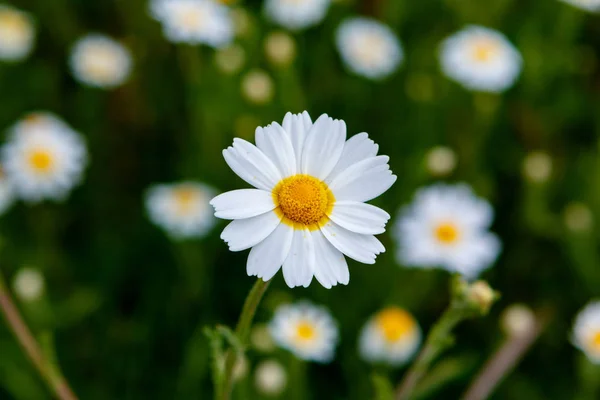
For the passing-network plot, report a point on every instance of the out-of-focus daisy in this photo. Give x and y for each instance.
(537, 167)
(257, 87)
(43, 158)
(28, 284)
(7, 193)
(296, 14)
(480, 59)
(391, 336)
(586, 331)
(230, 60)
(586, 5)
(17, 34)
(517, 320)
(308, 208)
(99, 61)
(182, 209)
(280, 48)
(306, 330)
(440, 161)
(578, 217)
(447, 226)
(194, 21)
(270, 378)
(368, 47)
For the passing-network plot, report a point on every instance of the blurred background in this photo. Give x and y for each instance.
(123, 304)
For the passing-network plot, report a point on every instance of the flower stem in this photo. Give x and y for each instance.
(49, 372)
(242, 332)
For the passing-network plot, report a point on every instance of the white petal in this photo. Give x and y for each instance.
(299, 266)
(297, 126)
(242, 234)
(362, 248)
(359, 147)
(277, 146)
(250, 164)
(363, 181)
(266, 258)
(330, 266)
(323, 147)
(359, 217)
(243, 203)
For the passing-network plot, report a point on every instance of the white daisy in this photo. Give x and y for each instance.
(194, 21)
(586, 5)
(182, 209)
(270, 378)
(43, 158)
(447, 227)
(99, 61)
(7, 193)
(308, 208)
(480, 59)
(586, 331)
(17, 34)
(296, 14)
(368, 47)
(391, 336)
(306, 330)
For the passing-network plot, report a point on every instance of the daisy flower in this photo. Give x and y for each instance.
(447, 227)
(308, 208)
(181, 209)
(194, 21)
(7, 193)
(391, 336)
(480, 59)
(586, 5)
(17, 34)
(306, 330)
(43, 158)
(586, 331)
(99, 61)
(368, 47)
(296, 14)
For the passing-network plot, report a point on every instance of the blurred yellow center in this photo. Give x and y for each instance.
(394, 323)
(41, 161)
(305, 331)
(185, 198)
(303, 201)
(446, 233)
(192, 18)
(12, 22)
(595, 342)
(484, 50)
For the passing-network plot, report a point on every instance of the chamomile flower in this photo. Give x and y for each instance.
(447, 227)
(308, 208)
(194, 21)
(480, 59)
(181, 209)
(17, 34)
(391, 336)
(368, 47)
(296, 14)
(586, 5)
(43, 158)
(99, 61)
(586, 331)
(308, 331)
(7, 193)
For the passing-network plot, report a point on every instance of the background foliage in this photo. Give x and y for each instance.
(125, 306)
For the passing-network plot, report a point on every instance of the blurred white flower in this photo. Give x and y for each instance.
(280, 48)
(258, 87)
(306, 330)
(447, 227)
(230, 59)
(578, 217)
(586, 5)
(28, 284)
(181, 209)
(309, 206)
(296, 14)
(368, 47)
(194, 21)
(7, 193)
(17, 34)
(270, 378)
(517, 320)
(440, 161)
(99, 61)
(537, 167)
(586, 331)
(480, 59)
(391, 336)
(43, 157)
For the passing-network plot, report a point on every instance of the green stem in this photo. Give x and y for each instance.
(49, 372)
(242, 332)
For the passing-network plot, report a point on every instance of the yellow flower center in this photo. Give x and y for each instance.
(185, 198)
(303, 201)
(395, 323)
(595, 341)
(484, 50)
(13, 22)
(305, 331)
(192, 18)
(41, 161)
(446, 233)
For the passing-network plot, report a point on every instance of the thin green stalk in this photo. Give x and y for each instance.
(49, 372)
(242, 331)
